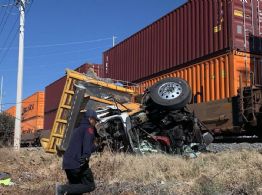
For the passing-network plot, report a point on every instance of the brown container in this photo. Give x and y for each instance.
(195, 31)
(53, 94)
(32, 106)
(216, 78)
(49, 119)
(54, 91)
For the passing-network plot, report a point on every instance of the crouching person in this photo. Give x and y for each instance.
(76, 157)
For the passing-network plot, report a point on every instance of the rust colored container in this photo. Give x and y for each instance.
(32, 106)
(49, 119)
(53, 94)
(198, 30)
(54, 91)
(217, 78)
(32, 124)
(32, 112)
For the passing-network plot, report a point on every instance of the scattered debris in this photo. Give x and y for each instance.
(5, 179)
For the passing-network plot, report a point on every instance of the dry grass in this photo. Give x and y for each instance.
(233, 172)
(32, 170)
(230, 172)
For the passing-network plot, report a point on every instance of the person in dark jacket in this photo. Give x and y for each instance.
(76, 157)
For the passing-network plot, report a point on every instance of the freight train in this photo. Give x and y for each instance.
(226, 92)
(216, 46)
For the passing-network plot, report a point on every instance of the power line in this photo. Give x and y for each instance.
(59, 44)
(66, 52)
(24, 121)
(6, 19)
(14, 104)
(2, 20)
(10, 32)
(30, 5)
(14, 37)
(9, 46)
(81, 61)
(64, 44)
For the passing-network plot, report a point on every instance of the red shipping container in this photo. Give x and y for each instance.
(197, 30)
(49, 119)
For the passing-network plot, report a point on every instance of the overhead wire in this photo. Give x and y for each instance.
(67, 43)
(14, 36)
(10, 44)
(53, 64)
(6, 19)
(14, 103)
(1, 13)
(5, 12)
(24, 121)
(59, 44)
(66, 52)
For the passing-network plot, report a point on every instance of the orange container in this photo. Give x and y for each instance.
(32, 112)
(34, 105)
(32, 124)
(31, 107)
(216, 78)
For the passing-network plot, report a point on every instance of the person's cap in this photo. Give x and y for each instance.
(91, 113)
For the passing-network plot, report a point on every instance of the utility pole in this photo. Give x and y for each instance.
(1, 95)
(114, 39)
(17, 136)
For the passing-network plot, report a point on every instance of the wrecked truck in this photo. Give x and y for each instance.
(159, 123)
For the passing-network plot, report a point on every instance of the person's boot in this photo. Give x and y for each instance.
(58, 189)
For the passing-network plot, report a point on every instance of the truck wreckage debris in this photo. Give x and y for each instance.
(161, 123)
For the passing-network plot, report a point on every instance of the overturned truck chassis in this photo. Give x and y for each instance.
(171, 132)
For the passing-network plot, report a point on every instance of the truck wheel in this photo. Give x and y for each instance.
(172, 93)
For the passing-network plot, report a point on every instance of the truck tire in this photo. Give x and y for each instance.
(171, 93)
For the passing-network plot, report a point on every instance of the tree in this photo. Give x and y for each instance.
(7, 125)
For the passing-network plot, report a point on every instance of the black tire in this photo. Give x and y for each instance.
(182, 89)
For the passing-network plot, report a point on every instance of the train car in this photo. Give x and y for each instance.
(216, 46)
(32, 118)
(226, 92)
(196, 31)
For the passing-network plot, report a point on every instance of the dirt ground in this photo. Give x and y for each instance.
(228, 172)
